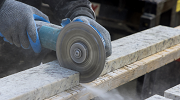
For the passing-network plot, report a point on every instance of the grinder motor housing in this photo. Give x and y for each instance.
(78, 46)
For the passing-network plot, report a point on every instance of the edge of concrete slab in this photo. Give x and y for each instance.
(173, 93)
(38, 83)
(157, 97)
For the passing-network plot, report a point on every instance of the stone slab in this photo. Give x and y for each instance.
(127, 62)
(121, 76)
(173, 93)
(38, 83)
(140, 45)
(157, 97)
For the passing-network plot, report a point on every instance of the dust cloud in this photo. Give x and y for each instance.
(124, 92)
(103, 95)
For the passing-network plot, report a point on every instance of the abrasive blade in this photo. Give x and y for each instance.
(80, 48)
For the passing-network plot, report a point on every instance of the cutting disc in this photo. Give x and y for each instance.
(80, 48)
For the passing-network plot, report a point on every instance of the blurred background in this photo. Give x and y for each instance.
(125, 17)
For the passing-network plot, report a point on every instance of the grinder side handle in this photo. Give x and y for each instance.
(48, 34)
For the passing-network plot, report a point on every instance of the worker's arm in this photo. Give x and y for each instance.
(70, 8)
(1, 3)
(79, 9)
(34, 3)
(17, 24)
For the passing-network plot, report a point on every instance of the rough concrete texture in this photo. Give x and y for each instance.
(128, 50)
(140, 45)
(157, 97)
(38, 83)
(121, 76)
(173, 93)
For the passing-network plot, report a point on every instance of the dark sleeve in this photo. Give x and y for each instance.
(1, 3)
(71, 8)
(34, 3)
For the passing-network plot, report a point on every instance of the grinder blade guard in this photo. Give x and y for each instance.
(80, 47)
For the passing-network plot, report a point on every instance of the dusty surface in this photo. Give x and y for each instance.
(38, 83)
(140, 45)
(173, 93)
(157, 97)
(120, 76)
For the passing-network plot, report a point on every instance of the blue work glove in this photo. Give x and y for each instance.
(17, 24)
(100, 29)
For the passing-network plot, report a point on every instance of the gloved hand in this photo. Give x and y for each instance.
(101, 30)
(17, 24)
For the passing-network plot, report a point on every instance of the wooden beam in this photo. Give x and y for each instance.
(38, 83)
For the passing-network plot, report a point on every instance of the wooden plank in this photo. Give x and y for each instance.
(157, 97)
(173, 93)
(38, 83)
(121, 76)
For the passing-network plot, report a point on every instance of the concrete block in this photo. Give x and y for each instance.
(157, 97)
(173, 93)
(140, 45)
(38, 83)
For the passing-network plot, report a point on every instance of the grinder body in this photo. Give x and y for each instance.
(78, 46)
(48, 37)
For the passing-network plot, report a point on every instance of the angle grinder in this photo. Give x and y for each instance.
(78, 47)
